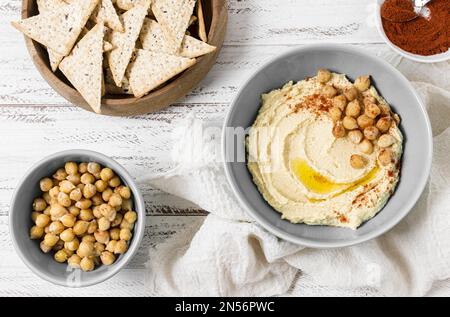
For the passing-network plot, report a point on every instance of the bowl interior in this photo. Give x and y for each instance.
(418, 58)
(20, 223)
(305, 62)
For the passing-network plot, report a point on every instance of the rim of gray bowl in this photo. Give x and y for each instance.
(307, 242)
(138, 230)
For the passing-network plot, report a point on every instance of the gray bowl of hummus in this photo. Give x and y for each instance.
(327, 146)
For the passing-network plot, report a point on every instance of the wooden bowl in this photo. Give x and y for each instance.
(216, 16)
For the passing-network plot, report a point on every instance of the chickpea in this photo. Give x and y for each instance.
(102, 236)
(369, 100)
(355, 136)
(59, 245)
(338, 130)
(106, 194)
(127, 204)
(55, 182)
(385, 157)
(353, 108)
(56, 227)
(68, 252)
(68, 220)
(92, 227)
(115, 200)
(86, 248)
(74, 261)
(60, 256)
(87, 178)
(124, 191)
(58, 211)
(50, 239)
(323, 76)
(108, 211)
(362, 83)
(80, 227)
(384, 123)
(87, 264)
(82, 168)
(114, 233)
(366, 146)
(54, 192)
(39, 204)
(72, 245)
(120, 247)
(396, 118)
(80, 186)
(75, 211)
(83, 204)
(126, 225)
(371, 133)
(76, 194)
(131, 216)
(47, 229)
(47, 210)
(364, 121)
(66, 186)
(42, 220)
(89, 191)
(96, 211)
(34, 215)
(98, 248)
(86, 214)
(357, 161)
(386, 140)
(372, 111)
(329, 91)
(339, 102)
(60, 174)
(71, 168)
(97, 199)
(46, 184)
(67, 235)
(111, 245)
(45, 248)
(93, 167)
(125, 234)
(335, 114)
(101, 185)
(88, 238)
(106, 174)
(107, 258)
(74, 179)
(385, 109)
(114, 182)
(36, 232)
(64, 200)
(349, 123)
(117, 221)
(46, 196)
(351, 93)
(104, 224)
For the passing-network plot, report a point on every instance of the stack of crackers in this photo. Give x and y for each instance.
(118, 46)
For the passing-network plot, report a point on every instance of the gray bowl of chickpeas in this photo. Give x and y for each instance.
(77, 218)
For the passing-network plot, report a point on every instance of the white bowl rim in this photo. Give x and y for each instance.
(138, 231)
(441, 57)
(307, 242)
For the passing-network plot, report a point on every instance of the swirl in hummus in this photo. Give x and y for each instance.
(325, 151)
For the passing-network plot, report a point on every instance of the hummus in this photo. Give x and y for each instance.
(303, 170)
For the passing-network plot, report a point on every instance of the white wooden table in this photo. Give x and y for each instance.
(35, 121)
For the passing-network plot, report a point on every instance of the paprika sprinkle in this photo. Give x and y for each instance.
(422, 36)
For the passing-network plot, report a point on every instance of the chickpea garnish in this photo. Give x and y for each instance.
(42, 220)
(364, 121)
(92, 227)
(88, 238)
(362, 83)
(101, 185)
(357, 161)
(372, 110)
(60, 174)
(64, 199)
(74, 210)
(60, 256)
(80, 227)
(44, 247)
(117, 221)
(107, 211)
(98, 248)
(123, 191)
(39, 204)
(338, 130)
(349, 123)
(114, 233)
(74, 179)
(323, 76)
(120, 247)
(97, 199)
(86, 214)
(36, 232)
(114, 182)
(56, 227)
(355, 136)
(386, 140)
(67, 235)
(82, 167)
(127, 205)
(50, 239)
(125, 234)
(46, 196)
(369, 99)
(83, 204)
(385, 109)
(72, 245)
(87, 264)
(384, 123)
(107, 258)
(58, 211)
(104, 224)
(107, 194)
(74, 261)
(101, 236)
(353, 108)
(85, 249)
(71, 168)
(385, 157)
(371, 133)
(396, 118)
(34, 215)
(126, 225)
(87, 178)
(54, 191)
(46, 184)
(93, 167)
(66, 186)
(329, 91)
(89, 190)
(111, 245)
(366, 146)
(339, 102)
(130, 216)
(115, 200)
(351, 93)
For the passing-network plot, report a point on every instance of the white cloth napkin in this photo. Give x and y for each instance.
(230, 255)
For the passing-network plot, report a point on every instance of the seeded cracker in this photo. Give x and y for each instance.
(60, 28)
(201, 22)
(83, 67)
(124, 43)
(152, 39)
(106, 13)
(174, 17)
(151, 69)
